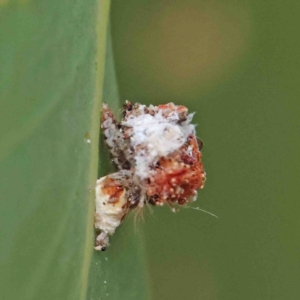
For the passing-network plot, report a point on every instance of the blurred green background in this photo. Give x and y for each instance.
(236, 64)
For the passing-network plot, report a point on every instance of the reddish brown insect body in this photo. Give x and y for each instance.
(177, 177)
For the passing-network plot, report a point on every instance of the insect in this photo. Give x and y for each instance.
(158, 157)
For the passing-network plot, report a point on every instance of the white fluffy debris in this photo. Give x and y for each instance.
(154, 137)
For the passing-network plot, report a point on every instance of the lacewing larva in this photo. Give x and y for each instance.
(158, 157)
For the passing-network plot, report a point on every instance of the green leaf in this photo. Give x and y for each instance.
(52, 63)
(121, 272)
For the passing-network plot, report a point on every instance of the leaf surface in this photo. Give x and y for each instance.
(52, 63)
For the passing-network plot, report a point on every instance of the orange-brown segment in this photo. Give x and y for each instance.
(177, 177)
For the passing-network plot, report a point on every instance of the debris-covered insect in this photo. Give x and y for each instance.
(159, 159)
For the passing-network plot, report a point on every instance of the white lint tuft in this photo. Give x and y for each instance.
(156, 136)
